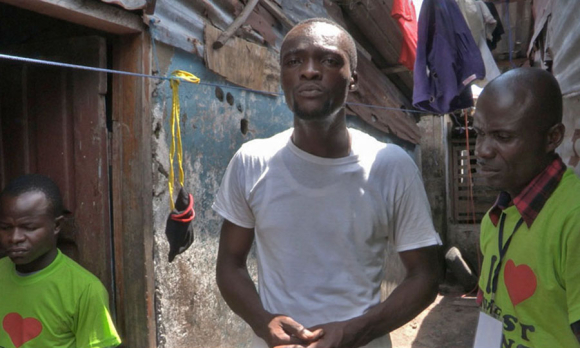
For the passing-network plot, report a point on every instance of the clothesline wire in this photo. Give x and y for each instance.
(168, 78)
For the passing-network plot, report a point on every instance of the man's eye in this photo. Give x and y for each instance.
(331, 61)
(503, 136)
(292, 62)
(4, 227)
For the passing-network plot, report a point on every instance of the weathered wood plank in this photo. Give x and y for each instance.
(243, 63)
(93, 14)
(132, 198)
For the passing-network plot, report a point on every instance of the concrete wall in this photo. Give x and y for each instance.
(434, 165)
(189, 309)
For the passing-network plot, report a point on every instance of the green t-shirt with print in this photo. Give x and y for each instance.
(61, 306)
(538, 294)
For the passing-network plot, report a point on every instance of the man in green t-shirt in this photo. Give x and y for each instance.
(530, 275)
(46, 299)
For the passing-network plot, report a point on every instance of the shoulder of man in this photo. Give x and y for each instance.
(264, 147)
(79, 272)
(567, 194)
(388, 155)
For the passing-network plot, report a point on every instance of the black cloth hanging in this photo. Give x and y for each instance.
(179, 229)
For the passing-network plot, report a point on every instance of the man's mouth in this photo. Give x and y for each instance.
(309, 90)
(15, 252)
(486, 171)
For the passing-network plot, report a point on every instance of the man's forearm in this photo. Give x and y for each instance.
(239, 292)
(409, 299)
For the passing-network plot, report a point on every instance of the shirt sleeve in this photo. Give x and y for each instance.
(94, 326)
(230, 201)
(413, 226)
(571, 268)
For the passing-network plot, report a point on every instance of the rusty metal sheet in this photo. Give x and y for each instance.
(373, 19)
(263, 22)
(180, 23)
(375, 89)
(128, 4)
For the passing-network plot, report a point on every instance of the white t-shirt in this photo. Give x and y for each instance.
(322, 224)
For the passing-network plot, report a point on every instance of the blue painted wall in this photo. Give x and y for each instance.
(190, 311)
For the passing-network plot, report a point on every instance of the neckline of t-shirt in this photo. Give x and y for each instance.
(36, 276)
(351, 158)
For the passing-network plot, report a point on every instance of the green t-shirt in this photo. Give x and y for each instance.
(538, 294)
(61, 306)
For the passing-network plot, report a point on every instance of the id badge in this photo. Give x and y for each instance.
(489, 332)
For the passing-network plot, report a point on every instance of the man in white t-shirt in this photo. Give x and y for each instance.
(321, 202)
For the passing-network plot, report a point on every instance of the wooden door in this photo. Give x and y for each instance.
(53, 122)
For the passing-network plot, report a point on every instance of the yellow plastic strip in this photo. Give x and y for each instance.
(176, 129)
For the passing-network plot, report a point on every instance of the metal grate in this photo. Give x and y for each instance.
(461, 162)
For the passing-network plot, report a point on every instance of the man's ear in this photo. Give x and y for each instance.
(555, 137)
(353, 85)
(58, 224)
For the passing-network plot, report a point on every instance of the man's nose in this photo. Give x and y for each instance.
(483, 148)
(310, 70)
(17, 235)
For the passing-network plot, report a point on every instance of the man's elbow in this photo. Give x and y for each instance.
(222, 274)
(430, 284)
(433, 289)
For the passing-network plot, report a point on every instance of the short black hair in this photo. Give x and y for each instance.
(36, 183)
(351, 51)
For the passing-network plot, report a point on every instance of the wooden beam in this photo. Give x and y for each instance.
(150, 8)
(89, 13)
(131, 193)
(236, 24)
(276, 11)
(395, 69)
(287, 23)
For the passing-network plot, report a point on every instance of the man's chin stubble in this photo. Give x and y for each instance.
(314, 115)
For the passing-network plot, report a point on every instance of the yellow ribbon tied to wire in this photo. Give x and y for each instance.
(177, 77)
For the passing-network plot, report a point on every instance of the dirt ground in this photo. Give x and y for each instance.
(449, 322)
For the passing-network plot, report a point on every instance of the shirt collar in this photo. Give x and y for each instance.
(532, 199)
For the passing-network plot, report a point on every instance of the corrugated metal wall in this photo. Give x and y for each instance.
(181, 24)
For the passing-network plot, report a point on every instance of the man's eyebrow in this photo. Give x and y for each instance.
(293, 51)
(323, 50)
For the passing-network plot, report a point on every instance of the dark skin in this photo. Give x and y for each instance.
(518, 124)
(416, 292)
(516, 136)
(316, 78)
(28, 230)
